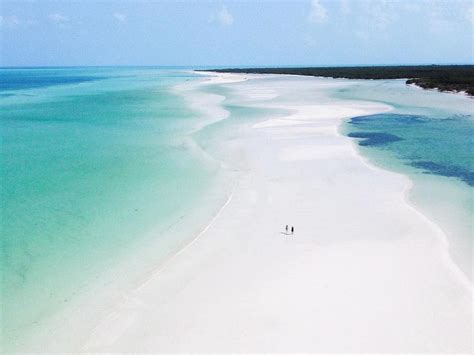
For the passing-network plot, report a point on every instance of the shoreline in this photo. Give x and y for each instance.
(187, 283)
(443, 78)
(408, 190)
(462, 93)
(455, 224)
(107, 290)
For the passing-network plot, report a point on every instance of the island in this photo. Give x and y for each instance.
(452, 78)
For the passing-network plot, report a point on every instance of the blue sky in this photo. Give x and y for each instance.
(232, 33)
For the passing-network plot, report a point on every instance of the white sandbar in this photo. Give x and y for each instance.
(364, 271)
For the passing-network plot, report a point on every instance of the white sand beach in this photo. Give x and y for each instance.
(363, 272)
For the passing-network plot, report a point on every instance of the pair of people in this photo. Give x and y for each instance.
(292, 229)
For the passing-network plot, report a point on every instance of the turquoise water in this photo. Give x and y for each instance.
(97, 163)
(94, 162)
(428, 136)
(438, 146)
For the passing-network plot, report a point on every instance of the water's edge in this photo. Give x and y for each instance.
(415, 197)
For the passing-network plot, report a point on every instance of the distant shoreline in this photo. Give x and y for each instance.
(445, 78)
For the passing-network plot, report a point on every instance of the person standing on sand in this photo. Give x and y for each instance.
(286, 228)
(292, 229)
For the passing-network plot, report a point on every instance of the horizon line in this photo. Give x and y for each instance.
(235, 66)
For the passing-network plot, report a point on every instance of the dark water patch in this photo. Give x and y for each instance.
(439, 145)
(374, 138)
(22, 79)
(431, 167)
(390, 119)
(21, 82)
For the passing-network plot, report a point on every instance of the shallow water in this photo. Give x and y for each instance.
(428, 136)
(94, 160)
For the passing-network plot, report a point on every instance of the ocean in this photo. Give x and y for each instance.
(106, 172)
(96, 163)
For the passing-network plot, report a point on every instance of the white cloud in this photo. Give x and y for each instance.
(120, 17)
(317, 13)
(411, 6)
(309, 40)
(9, 22)
(443, 17)
(222, 17)
(362, 35)
(381, 13)
(375, 18)
(345, 7)
(438, 21)
(58, 18)
(470, 15)
(31, 22)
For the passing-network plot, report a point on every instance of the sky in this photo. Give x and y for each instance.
(236, 33)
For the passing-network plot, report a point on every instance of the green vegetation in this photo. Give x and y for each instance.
(441, 77)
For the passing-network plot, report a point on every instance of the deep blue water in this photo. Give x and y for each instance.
(17, 79)
(374, 138)
(446, 170)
